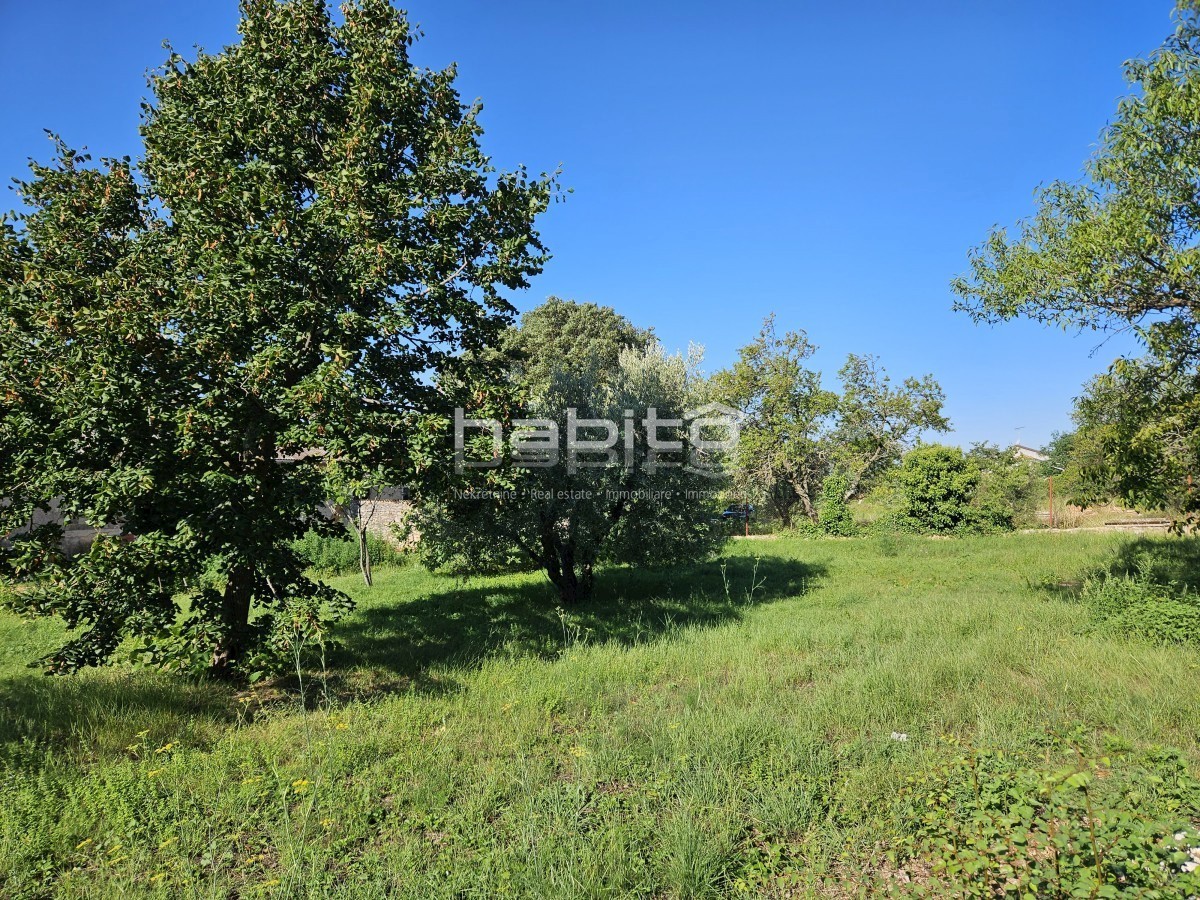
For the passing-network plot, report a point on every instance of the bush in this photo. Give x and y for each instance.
(834, 517)
(1139, 606)
(803, 527)
(1007, 494)
(336, 555)
(937, 485)
(1073, 824)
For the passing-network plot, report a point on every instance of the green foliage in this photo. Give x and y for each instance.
(337, 555)
(1117, 252)
(783, 454)
(835, 517)
(312, 234)
(795, 432)
(877, 422)
(1062, 452)
(1141, 606)
(560, 336)
(566, 516)
(1137, 436)
(1072, 825)
(937, 484)
(1008, 492)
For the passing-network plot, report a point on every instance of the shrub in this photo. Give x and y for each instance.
(804, 527)
(1007, 494)
(336, 555)
(1139, 606)
(1072, 824)
(834, 517)
(937, 484)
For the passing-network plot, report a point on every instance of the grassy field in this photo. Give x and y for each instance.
(757, 725)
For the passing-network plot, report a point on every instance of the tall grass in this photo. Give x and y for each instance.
(723, 730)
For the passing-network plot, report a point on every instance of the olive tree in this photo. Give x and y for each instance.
(635, 489)
(312, 234)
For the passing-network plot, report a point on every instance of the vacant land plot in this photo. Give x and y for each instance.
(776, 722)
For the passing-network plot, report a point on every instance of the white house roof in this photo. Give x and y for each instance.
(1022, 452)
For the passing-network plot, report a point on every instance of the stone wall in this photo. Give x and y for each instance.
(387, 518)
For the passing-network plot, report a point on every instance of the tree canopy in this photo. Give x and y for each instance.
(189, 343)
(796, 433)
(539, 505)
(782, 455)
(560, 336)
(1118, 252)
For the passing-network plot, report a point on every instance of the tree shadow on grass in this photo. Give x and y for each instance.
(1170, 562)
(1166, 561)
(467, 623)
(99, 714)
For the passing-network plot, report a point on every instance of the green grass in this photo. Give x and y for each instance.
(693, 733)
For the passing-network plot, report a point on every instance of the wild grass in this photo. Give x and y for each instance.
(721, 730)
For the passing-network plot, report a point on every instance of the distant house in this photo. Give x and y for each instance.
(384, 512)
(1020, 451)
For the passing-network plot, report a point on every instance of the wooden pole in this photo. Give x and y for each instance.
(1051, 501)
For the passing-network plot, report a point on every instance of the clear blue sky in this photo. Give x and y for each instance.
(830, 162)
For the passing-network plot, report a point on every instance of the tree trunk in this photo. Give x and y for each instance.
(810, 509)
(585, 581)
(364, 554)
(568, 587)
(854, 482)
(235, 623)
(783, 507)
(560, 564)
(573, 588)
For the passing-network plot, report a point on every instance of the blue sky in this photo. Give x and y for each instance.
(829, 162)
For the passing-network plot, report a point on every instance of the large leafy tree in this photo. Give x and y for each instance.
(1119, 252)
(560, 336)
(190, 344)
(878, 421)
(1138, 437)
(796, 433)
(783, 454)
(568, 515)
